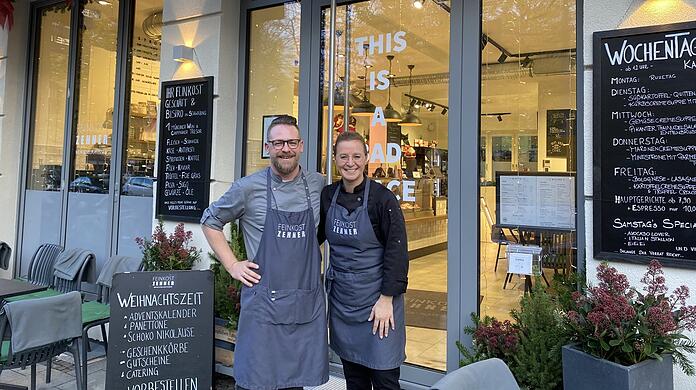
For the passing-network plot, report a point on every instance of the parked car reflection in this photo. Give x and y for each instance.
(88, 184)
(138, 186)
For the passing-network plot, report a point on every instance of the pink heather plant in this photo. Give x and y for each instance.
(167, 253)
(616, 322)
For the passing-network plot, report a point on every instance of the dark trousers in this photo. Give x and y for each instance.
(359, 377)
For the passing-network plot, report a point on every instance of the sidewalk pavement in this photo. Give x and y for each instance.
(63, 377)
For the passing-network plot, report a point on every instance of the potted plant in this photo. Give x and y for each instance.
(227, 296)
(625, 338)
(530, 344)
(171, 252)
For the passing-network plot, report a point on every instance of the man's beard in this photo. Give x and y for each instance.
(283, 170)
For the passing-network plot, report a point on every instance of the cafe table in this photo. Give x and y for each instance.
(13, 287)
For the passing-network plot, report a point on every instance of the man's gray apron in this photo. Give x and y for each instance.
(354, 280)
(282, 340)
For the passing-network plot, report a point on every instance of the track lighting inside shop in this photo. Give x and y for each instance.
(418, 4)
(417, 102)
(497, 115)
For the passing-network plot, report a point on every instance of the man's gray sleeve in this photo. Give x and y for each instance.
(228, 208)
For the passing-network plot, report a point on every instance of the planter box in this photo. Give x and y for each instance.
(582, 371)
(225, 340)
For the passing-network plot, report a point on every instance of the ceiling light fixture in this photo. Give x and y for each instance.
(365, 107)
(502, 58)
(444, 111)
(500, 118)
(418, 4)
(410, 119)
(390, 114)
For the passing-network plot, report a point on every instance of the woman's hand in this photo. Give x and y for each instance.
(243, 271)
(382, 316)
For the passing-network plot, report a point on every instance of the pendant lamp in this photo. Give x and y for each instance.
(410, 119)
(364, 108)
(390, 114)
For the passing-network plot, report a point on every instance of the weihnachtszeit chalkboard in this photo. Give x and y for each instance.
(645, 144)
(161, 331)
(183, 174)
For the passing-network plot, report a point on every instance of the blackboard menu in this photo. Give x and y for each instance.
(183, 174)
(161, 331)
(645, 144)
(560, 132)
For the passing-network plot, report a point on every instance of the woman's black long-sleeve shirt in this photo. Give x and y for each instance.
(387, 222)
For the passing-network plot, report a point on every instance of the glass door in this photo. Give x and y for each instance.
(392, 62)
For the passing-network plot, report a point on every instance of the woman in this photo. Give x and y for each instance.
(362, 221)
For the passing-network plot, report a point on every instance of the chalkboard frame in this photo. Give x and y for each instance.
(115, 322)
(207, 149)
(597, 61)
(531, 227)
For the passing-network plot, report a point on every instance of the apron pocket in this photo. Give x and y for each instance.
(356, 289)
(288, 307)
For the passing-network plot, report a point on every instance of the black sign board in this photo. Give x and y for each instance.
(560, 132)
(186, 124)
(161, 331)
(645, 144)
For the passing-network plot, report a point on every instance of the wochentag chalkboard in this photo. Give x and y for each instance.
(183, 159)
(161, 331)
(644, 172)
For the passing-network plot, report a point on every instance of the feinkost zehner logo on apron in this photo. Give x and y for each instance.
(345, 228)
(291, 231)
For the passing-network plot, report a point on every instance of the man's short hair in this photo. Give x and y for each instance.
(283, 120)
(349, 136)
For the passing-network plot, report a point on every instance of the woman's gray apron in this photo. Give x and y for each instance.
(354, 281)
(282, 340)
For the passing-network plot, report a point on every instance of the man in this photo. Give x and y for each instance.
(282, 335)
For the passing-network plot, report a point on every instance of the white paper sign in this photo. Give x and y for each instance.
(520, 263)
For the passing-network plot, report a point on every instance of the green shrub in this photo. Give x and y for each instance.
(227, 289)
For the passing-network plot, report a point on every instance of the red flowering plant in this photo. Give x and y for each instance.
(491, 339)
(616, 322)
(169, 252)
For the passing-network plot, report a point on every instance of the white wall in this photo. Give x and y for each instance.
(211, 27)
(600, 15)
(13, 44)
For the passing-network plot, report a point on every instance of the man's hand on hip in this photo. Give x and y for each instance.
(243, 271)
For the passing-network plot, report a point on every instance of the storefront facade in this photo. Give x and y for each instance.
(454, 97)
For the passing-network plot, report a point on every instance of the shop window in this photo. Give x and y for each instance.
(96, 68)
(272, 75)
(51, 75)
(141, 136)
(394, 57)
(528, 97)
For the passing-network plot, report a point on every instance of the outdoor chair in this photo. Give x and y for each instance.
(489, 374)
(81, 268)
(26, 340)
(5, 254)
(97, 313)
(41, 272)
(498, 235)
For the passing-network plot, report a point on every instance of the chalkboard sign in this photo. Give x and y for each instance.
(161, 331)
(645, 144)
(560, 132)
(183, 174)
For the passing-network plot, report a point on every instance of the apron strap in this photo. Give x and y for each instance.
(269, 193)
(335, 194)
(367, 192)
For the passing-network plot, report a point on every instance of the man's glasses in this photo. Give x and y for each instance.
(279, 143)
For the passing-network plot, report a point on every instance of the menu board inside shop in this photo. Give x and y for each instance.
(186, 121)
(645, 144)
(543, 200)
(161, 331)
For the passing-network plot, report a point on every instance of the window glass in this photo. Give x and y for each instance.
(397, 57)
(273, 75)
(51, 77)
(527, 187)
(96, 74)
(141, 134)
